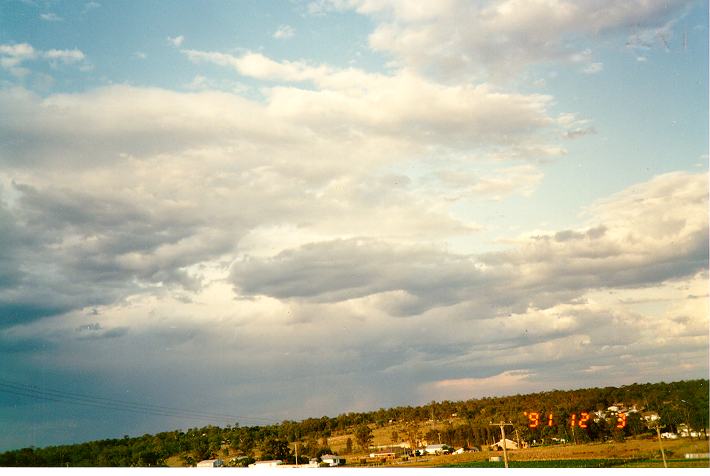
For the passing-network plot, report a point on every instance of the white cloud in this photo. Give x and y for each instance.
(220, 235)
(661, 237)
(12, 56)
(456, 38)
(51, 17)
(176, 41)
(65, 56)
(284, 32)
(400, 105)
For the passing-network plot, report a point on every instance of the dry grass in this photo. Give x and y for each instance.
(629, 449)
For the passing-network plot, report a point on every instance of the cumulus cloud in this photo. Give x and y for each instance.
(654, 232)
(12, 56)
(125, 120)
(354, 101)
(455, 38)
(176, 41)
(214, 234)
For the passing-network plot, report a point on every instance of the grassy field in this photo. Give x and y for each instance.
(587, 463)
(630, 453)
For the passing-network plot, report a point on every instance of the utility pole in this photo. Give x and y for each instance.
(657, 425)
(502, 426)
(296, 448)
(663, 453)
(517, 437)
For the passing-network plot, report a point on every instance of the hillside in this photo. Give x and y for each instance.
(458, 424)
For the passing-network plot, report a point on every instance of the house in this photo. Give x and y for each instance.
(436, 449)
(210, 463)
(509, 445)
(333, 460)
(272, 463)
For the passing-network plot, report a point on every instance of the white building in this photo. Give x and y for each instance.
(436, 449)
(210, 463)
(333, 460)
(509, 445)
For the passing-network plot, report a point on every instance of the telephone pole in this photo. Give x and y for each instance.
(502, 426)
(663, 453)
(517, 437)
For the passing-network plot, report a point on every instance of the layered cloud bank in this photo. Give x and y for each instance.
(351, 237)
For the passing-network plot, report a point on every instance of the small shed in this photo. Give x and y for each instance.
(333, 460)
(210, 463)
(509, 445)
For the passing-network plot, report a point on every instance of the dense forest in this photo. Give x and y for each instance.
(463, 423)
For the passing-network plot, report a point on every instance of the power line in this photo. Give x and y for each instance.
(20, 389)
(103, 401)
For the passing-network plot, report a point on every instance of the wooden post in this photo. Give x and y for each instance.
(663, 453)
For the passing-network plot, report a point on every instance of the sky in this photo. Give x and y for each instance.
(289, 209)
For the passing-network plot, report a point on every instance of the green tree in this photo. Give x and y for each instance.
(363, 436)
(349, 446)
(275, 448)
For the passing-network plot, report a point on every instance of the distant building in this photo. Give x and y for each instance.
(436, 449)
(509, 445)
(210, 463)
(333, 460)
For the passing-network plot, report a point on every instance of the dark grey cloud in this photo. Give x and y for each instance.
(347, 269)
(65, 249)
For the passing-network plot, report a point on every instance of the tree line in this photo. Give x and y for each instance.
(677, 403)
